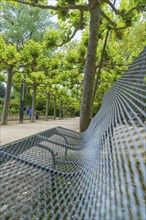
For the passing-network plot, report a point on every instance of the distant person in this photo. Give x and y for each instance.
(36, 116)
(30, 112)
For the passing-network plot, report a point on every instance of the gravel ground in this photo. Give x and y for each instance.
(15, 131)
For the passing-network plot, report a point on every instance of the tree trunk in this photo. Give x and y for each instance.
(33, 103)
(61, 110)
(100, 63)
(47, 105)
(90, 67)
(100, 66)
(54, 107)
(7, 97)
(21, 116)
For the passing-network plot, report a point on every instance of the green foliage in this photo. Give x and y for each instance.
(2, 77)
(1, 108)
(2, 91)
(133, 41)
(51, 38)
(60, 71)
(31, 53)
(17, 81)
(131, 3)
(72, 56)
(8, 54)
(118, 55)
(35, 78)
(22, 23)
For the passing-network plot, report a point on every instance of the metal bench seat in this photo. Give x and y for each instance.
(99, 174)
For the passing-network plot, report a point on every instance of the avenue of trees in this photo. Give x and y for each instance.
(61, 73)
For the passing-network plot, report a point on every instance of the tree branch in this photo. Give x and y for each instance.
(76, 29)
(114, 23)
(118, 12)
(100, 66)
(56, 8)
(139, 7)
(108, 19)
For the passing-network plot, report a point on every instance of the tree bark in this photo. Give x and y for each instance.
(90, 67)
(47, 105)
(7, 97)
(55, 107)
(61, 110)
(101, 61)
(100, 66)
(33, 103)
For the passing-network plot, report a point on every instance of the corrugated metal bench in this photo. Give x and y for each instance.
(97, 174)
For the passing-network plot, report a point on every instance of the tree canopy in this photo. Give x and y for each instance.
(75, 67)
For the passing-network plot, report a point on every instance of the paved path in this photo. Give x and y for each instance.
(14, 130)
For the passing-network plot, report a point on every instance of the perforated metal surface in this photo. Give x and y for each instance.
(98, 174)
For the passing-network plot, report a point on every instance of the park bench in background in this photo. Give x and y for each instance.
(97, 174)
